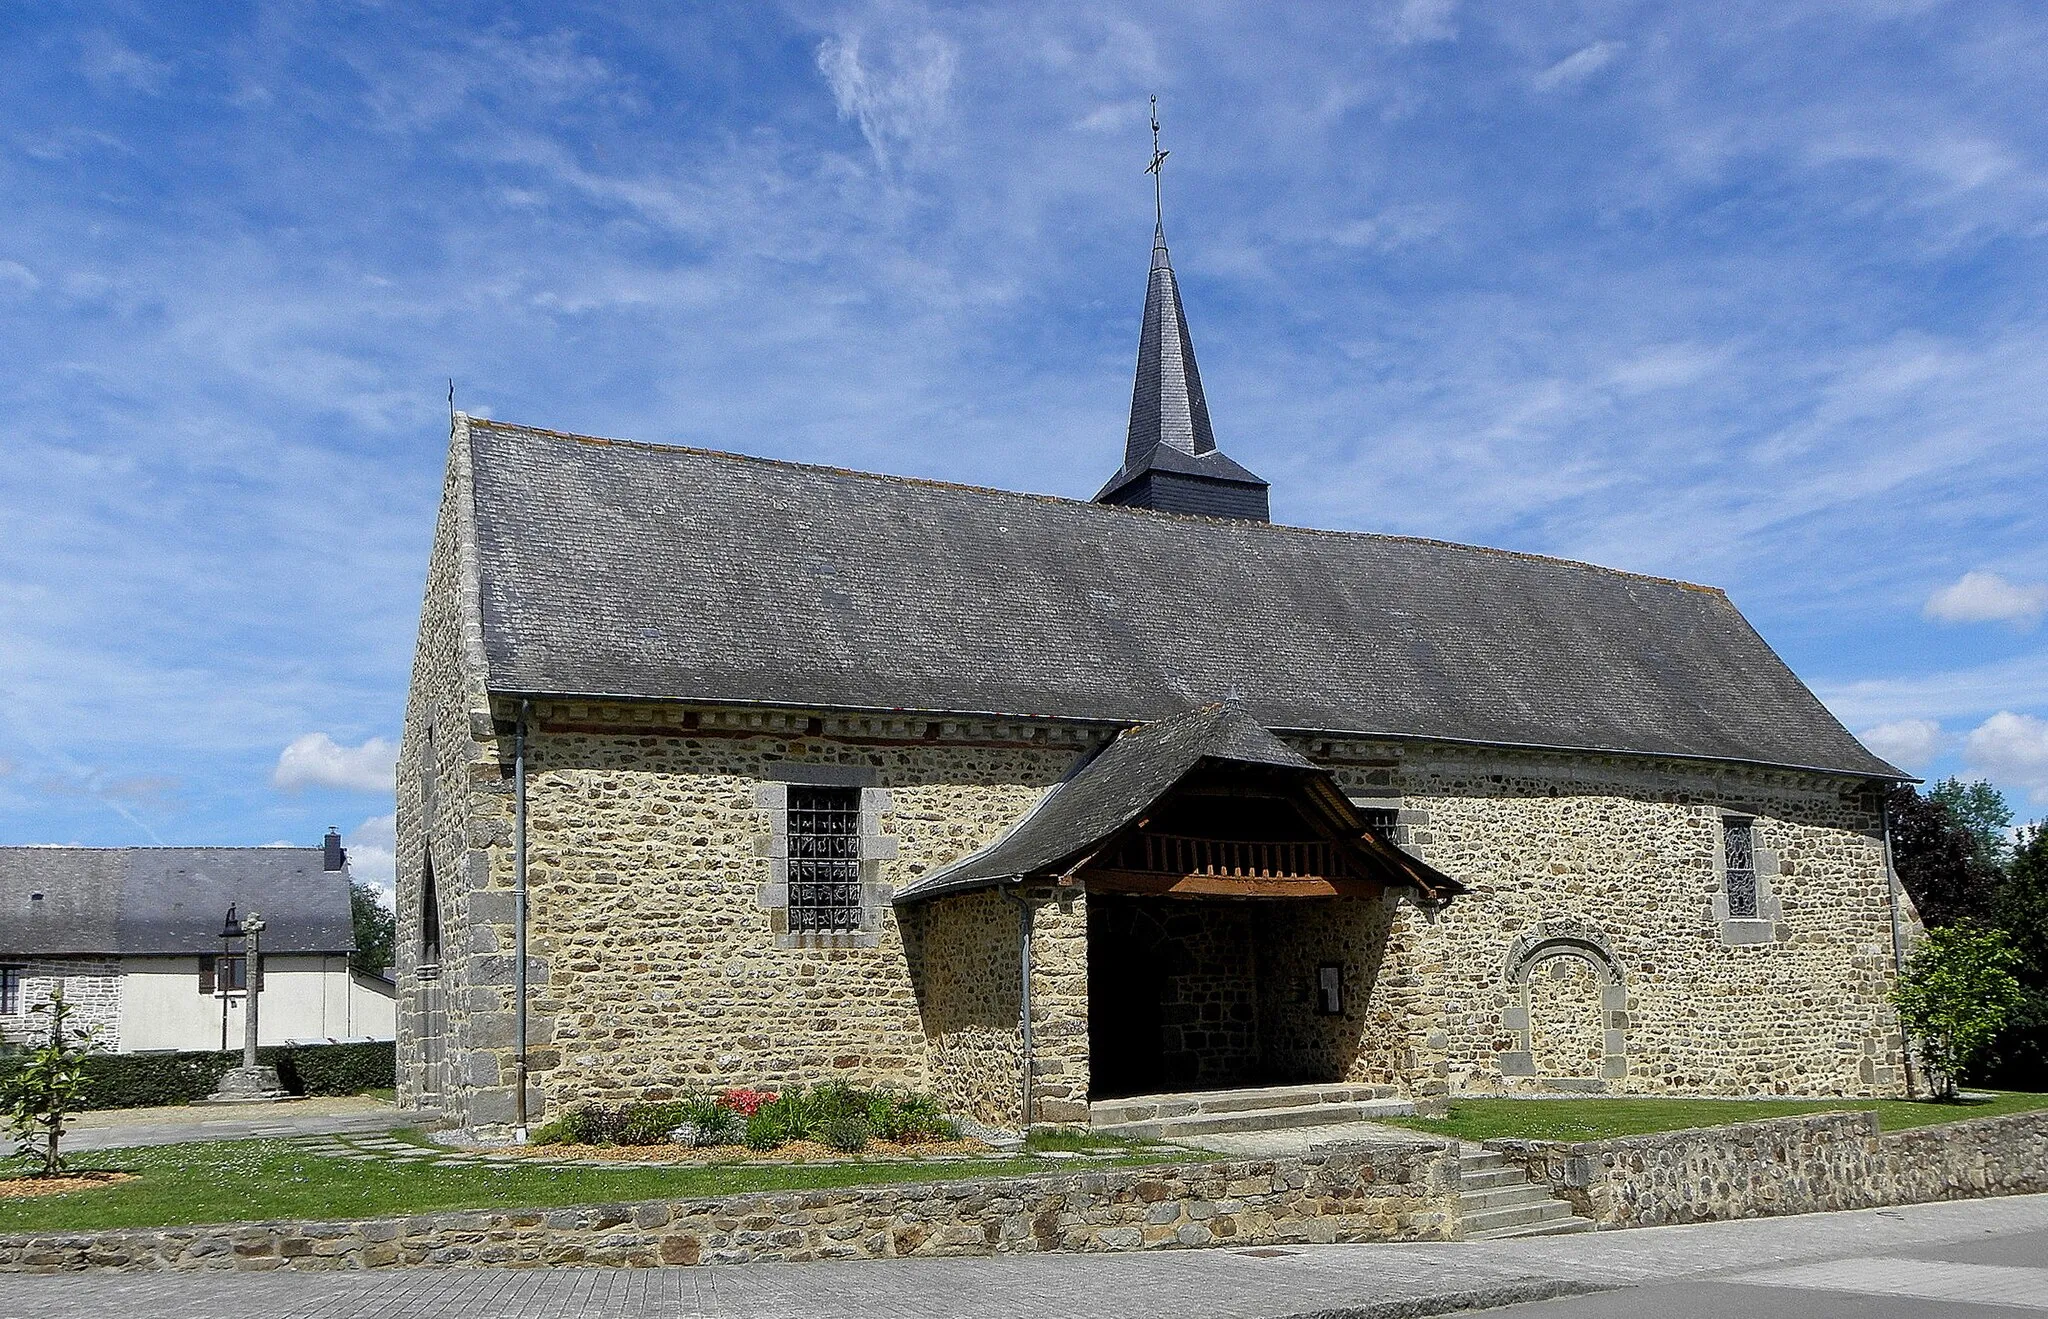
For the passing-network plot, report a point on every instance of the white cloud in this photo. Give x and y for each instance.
(897, 96)
(316, 760)
(373, 852)
(2012, 748)
(105, 61)
(1578, 66)
(20, 276)
(1986, 597)
(6, 767)
(1907, 743)
(1424, 20)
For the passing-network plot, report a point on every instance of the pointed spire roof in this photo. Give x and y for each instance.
(1167, 406)
(1171, 462)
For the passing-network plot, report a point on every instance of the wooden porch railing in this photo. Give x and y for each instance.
(1179, 854)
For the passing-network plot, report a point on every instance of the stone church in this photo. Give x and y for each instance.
(782, 773)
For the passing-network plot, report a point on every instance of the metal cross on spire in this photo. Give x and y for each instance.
(1158, 158)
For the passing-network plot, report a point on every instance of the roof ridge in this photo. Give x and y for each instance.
(154, 847)
(1124, 509)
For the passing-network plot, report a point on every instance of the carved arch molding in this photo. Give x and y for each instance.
(1535, 953)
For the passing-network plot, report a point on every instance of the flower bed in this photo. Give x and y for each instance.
(841, 1118)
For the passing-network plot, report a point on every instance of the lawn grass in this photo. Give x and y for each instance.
(1074, 1140)
(1600, 1119)
(249, 1180)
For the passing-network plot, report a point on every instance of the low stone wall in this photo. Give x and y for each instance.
(1786, 1166)
(1353, 1193)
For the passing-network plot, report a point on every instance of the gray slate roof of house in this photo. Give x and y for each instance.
(1123, 780)
(133, 901)
(611, 568)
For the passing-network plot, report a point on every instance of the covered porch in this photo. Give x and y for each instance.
(1233, 910)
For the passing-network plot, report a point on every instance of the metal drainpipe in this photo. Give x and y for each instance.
(519, 920)
(1891, 889)
(1024, 1003)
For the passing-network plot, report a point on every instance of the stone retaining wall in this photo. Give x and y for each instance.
(1786, 1166)
(1354, 1193)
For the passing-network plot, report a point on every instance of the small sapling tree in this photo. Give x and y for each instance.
(1957, 991)
(45, 1093)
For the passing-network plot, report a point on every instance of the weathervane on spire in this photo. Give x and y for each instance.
(1158, 158)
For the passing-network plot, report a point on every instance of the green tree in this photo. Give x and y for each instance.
(1955, 997)
(376, 928)
(41, 1096)
(1982, 811)
(2020, 1057)
(1939, 861)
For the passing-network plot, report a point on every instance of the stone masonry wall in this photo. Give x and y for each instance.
(963, 957)
(1610, 864)
(1297, 1041)
(453, 816)
(1787, 1166)
(92, 987)
(1358, 1193)
(660, 968)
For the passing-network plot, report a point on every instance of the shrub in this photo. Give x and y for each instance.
(650, 1124)
(746, 1102)
(566, 1129)
(792, 1113)
(341, 1069)
(847, 1133)
(712, 1120)
(48, 1089)
(1955, 996)
(764, 1132)
(915, 1118)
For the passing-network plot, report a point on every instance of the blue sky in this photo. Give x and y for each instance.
(1749, 294)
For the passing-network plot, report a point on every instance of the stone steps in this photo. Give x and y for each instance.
(1496, 1199)
(1264, 1108)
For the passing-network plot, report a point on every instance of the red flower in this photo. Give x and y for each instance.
(746, 1102)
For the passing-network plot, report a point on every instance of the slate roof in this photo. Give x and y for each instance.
(1169, 428)
(133, 901)
(1125, 778)
(610, 568)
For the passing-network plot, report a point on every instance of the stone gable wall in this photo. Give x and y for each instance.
(454, 798)
(1796, 1165)
(1357, 1193)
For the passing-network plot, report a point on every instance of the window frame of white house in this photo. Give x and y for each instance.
(861, 925)
(12, 977)
(1761, 922)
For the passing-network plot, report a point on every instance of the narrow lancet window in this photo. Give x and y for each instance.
(1739, 842)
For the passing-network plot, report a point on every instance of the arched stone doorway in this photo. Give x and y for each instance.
(1567, 1011)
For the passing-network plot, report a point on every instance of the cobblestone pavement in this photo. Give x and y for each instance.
(242, 1123)
(1331, 1282)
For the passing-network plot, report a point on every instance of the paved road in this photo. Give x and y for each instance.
(176, 1126)
(1911, 1261)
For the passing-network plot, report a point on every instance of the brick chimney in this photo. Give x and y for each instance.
(337, 855)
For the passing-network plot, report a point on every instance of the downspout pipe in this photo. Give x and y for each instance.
(1891, 888)
(519, 1115)
(1024, 922)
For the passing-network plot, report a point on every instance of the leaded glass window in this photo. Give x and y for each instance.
(824, 860)
(1739, 842)
(10, 990)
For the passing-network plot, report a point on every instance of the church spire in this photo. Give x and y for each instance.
(1171, 462)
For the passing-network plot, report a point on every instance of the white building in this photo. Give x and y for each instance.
(133, 934)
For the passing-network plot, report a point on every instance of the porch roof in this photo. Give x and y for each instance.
(1123, 781)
